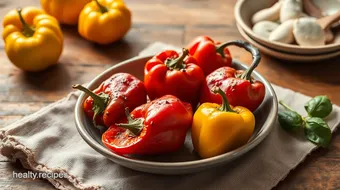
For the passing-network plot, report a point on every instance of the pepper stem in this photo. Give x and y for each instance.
(225, 103)
(27, 30)
(102, 8)
(253, 50)
(133, 125)
(100, 101)
(220, 49)
(285, 106)
(178, 62)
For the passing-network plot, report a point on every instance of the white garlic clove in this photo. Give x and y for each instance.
(264, 28)
(268, 14)
(283, 33)
(291, 9)
(308, 32)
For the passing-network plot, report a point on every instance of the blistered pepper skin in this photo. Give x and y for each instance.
(239, 91)
(239, 86)
(162, 127)
(111, 98)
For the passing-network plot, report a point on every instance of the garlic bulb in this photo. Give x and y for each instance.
(291, 9)
(283, 33)
(268, 14)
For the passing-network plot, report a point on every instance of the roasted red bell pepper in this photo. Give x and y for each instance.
(240, 88)
(159, 126)
(170, 73)
(106, 104)
(210, 55)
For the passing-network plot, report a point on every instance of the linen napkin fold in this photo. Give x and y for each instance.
(47, 141)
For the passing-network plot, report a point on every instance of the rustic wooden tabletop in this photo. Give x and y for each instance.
(171, 21)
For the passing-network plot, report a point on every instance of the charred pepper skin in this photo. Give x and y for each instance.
(241, 89)
(157, 127)
(107, 103)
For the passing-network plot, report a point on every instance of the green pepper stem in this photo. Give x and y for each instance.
(285, 106)
(133, 125)
(177, 63)
(102, 8)
(220, 49)
(27, 30)
(225, 103)
(253, 50)
(97, 99)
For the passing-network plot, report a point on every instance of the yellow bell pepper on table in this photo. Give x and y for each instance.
(217, 129)
(65, 11)
(104, 21)
(33, 39)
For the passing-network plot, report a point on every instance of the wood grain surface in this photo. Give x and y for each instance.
(175, 22)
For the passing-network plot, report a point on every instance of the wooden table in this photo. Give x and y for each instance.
(171, 21)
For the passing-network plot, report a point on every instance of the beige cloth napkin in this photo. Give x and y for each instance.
(47, 141)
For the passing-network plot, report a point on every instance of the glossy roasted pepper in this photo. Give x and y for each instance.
(170, 73)
(160, 126)
(210, 55)
(217, 129)
(240, 87)
(104, 21)
(106, 104)
(65, 11)
(33, 39)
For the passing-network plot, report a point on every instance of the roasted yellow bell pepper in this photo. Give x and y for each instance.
(65, 11)
(217, 129)
(33, 39)
(104, 21)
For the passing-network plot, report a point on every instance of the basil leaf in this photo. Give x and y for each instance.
(317, 131)
(290, 120)
(319, 106)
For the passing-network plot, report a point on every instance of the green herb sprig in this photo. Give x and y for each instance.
(315, 128)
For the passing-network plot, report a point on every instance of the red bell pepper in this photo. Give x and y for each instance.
(106, 104)
(169, 73)
(210, 55)
(159, 126)
(241, 89)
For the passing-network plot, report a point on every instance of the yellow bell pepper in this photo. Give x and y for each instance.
(217, 129)
(33, 39)
(104, 21)
(65, 11)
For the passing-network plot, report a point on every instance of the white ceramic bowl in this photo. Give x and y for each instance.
(287, 56)
(245, 9)
(185, 160)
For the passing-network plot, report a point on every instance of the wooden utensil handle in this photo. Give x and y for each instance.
(328, 20)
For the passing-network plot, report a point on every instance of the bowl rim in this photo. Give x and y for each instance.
(246, 28)
(269, 124)
(287, 56)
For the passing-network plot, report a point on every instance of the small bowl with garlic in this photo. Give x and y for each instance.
(291, 27)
